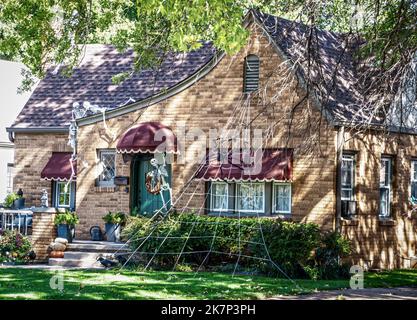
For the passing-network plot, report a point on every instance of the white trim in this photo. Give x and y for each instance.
(102, 183)
(56, 196)
(388, 187)
(237, 209)
(274, 185)
(350, 158)
(211, 209)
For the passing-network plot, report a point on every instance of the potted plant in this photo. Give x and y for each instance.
(14, 201)
(65, 222)
(113, 223)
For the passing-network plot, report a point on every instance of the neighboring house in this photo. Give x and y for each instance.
(12, 104)
(360, 181)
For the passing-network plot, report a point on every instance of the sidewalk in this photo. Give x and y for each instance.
(400, 293)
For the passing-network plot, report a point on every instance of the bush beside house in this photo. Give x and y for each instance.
(299, 249)
(14, 247)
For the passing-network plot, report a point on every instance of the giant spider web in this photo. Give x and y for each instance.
(240, 119)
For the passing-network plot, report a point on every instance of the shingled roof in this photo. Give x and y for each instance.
(333, 65)
(51, 103)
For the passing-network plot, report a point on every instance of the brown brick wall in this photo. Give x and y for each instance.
(380, 244)
(32, 152)
(208, 104)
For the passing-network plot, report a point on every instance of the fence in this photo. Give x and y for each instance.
(19, 220)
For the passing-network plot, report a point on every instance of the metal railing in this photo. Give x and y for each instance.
(18, 220)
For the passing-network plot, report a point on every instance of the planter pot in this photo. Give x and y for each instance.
(64, 231)
(19, 204)
(112, 232)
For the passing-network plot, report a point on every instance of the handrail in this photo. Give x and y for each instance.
(20, 220)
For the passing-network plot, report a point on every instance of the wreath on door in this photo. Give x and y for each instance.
(152, 183)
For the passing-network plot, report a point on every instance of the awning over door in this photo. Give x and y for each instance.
(148, 137)
(59, 167)
(272, 165)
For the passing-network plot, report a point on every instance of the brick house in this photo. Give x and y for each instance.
(360, 182)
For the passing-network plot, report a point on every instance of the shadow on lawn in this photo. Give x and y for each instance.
(34, 284)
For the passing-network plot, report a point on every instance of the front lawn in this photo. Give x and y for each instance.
(18, 283)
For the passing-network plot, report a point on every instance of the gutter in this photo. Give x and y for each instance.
(13, 130)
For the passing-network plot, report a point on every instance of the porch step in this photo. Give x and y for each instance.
(97, 246)
(75, 263)
(84, 253)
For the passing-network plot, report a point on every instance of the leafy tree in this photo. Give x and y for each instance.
(41, 33)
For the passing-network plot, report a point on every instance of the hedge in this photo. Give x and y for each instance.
(291, 246)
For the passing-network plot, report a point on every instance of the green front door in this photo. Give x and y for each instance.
(145, 202)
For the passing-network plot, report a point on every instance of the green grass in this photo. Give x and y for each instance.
(18, 283)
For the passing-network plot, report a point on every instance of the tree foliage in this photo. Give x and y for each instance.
(41, 33)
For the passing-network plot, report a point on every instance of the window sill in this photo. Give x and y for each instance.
(237, 215)
(350, 222)
(387, 222)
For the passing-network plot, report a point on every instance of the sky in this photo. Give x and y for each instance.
(10, 101)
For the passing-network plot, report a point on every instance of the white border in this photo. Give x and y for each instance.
(274, 185)
(237, 198)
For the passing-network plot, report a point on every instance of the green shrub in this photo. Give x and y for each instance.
(329, 256)
(290, 245)
(66, 217)
(14, 247)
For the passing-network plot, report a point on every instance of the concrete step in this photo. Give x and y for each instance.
(85, 255)
(74, 263)
(97, 246)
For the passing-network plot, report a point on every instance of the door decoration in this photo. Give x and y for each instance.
(155, 180)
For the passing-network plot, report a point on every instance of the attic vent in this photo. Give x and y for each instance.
(251, 76)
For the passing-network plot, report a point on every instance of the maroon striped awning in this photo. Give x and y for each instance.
(267, 165)
(148, 137)
(59, 167)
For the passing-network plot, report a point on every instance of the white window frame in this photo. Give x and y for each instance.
(212, 209)
(350, 158)
(274, 186)
(237, 197)
(413, 174)
(387, 186)
(57, 183)
(103, 183)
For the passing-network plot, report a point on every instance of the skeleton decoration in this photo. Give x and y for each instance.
(78, 112)
(155, 180)
(44, 199)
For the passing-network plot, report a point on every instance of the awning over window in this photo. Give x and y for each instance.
(59, 167)
(148, 137)
(268, 165)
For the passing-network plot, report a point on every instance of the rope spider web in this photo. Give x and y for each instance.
(240, 118)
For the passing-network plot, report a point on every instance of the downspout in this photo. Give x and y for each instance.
(339, 155)
(11, 136)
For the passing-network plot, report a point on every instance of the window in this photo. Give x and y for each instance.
(251, 75)
(347, 177)
(414, 180)
(9, 178)
(219, 196)
(107, 167)
(385, 178)
(282, 198)
(64, 194)
(250, 197)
